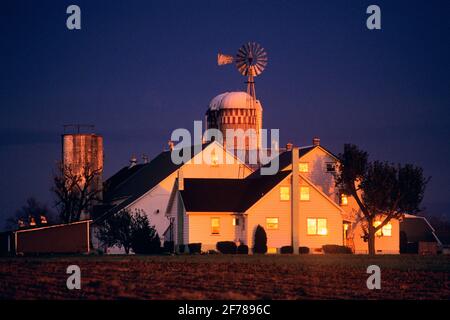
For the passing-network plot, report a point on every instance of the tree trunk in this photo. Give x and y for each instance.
(371, 238)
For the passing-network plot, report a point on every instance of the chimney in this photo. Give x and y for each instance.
(133, 162)
(316, 141)
(289, 146)
(295, 203)
(180, 180)
(170, 144)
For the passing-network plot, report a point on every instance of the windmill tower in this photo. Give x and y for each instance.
(250, 61)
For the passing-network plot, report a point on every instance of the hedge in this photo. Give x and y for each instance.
(195, 248)
(242, 249)
(226, 247)
(286, 250)
(333, 248)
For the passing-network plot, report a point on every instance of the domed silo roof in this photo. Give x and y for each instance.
(232, 100)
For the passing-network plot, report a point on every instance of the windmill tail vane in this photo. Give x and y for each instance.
(223, 59)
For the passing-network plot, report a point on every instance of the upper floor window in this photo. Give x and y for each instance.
(285, 193)
(317, 226)
(215, 225)
(214, 158)
(272, 223)
(304, 193)
(235, 221)
(303, 167)
(344, 199)
(331, 167)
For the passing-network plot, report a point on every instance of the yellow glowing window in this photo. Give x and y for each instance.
(215, 225)
(272, 223)
(284, 193)
(317, 226)
(385, 231)
(214, 158)
(271, 250)
(304, 193)
(235, 221)
(344, 200)
(303, 167)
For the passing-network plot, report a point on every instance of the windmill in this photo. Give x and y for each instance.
(250, 60)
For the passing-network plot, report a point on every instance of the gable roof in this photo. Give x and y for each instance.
(130, 186)
(227, 195)
(285, 158)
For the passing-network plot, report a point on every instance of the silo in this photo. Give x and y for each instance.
(83, 149)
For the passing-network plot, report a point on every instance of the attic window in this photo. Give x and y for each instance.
(344, 199)
(303, 167)
(304, 193)
(331, 167)
(284, 194)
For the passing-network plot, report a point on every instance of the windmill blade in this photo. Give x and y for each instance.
(223, 59)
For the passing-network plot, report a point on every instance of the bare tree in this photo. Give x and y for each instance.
(75, 191)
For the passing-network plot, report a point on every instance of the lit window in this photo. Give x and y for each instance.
(386, 230)
(304, 193)
(317, 226)
(312, 226)
(271, 250)
(331, 167)
(215, 225)
(344, 199)
(272, 223)
(322, 227)
(303, 167)
(235, 221)
(214, 158)
(284, 193)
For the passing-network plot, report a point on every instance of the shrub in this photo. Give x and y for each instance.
(287, 250)
(303, 250)
(144, 238)
(227, 247)
(181, 248)
(242, 249)
(260, 243)
(212, 252)
(169, 246)
(195, 248)
(332, 248)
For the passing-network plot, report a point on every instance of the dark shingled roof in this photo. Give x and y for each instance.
(285, 160)
(133, 185)
(227, 195)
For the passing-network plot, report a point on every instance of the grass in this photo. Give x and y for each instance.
(334, 276)
(394, 262)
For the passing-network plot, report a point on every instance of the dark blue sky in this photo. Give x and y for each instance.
(139, 69)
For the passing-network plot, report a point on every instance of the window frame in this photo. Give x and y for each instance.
(288, 193)
(309, 193)
(303, 163)
(273, 223)
(330, 163)
(212, 227)
(316, 227)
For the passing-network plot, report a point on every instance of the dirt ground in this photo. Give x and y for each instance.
(226, 277)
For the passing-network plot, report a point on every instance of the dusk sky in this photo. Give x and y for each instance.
(137, 70)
